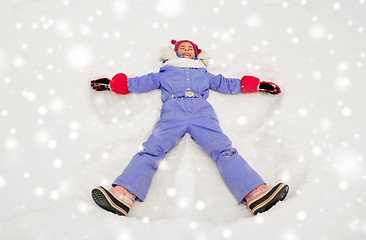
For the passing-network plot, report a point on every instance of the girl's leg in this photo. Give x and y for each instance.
(138, 174)
(244, 183)
(135, 180)
(238, 176)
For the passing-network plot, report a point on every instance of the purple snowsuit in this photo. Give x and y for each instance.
(183, 113)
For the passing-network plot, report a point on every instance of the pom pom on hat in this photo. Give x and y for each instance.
(177, 43)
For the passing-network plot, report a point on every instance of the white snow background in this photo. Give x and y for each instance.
(60, 139)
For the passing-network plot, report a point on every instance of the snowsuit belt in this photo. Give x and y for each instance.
(187, 94)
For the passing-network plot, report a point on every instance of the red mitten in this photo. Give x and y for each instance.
(249, 84)
(118, 84)
(269, 87)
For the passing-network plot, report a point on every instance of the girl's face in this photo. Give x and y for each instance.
(187, 50)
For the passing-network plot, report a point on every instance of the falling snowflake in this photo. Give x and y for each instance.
(79, 56)
(242, 120)
(11, 143)
(303, 112)
(54, 195)
(317, 151)
(57, 163)
(200, 205)
(254, 21)
(172, 192)
(301, 215)
(317, 32)
(169, 8)
(39, 191)
(227, 233)
(343, 185)
(317, 75)
(346, 111)
(2, 182)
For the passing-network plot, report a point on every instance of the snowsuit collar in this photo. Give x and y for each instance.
(169, 58)
(184, 63)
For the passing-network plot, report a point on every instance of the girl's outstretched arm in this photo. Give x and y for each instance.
(122, 85)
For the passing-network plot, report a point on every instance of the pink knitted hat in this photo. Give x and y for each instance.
(177, 43)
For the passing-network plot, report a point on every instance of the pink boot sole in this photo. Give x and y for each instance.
(269, 199)
(106, 200)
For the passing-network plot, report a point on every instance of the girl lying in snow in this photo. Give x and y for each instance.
(185, 84)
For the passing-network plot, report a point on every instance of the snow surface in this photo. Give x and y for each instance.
(59, 139)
